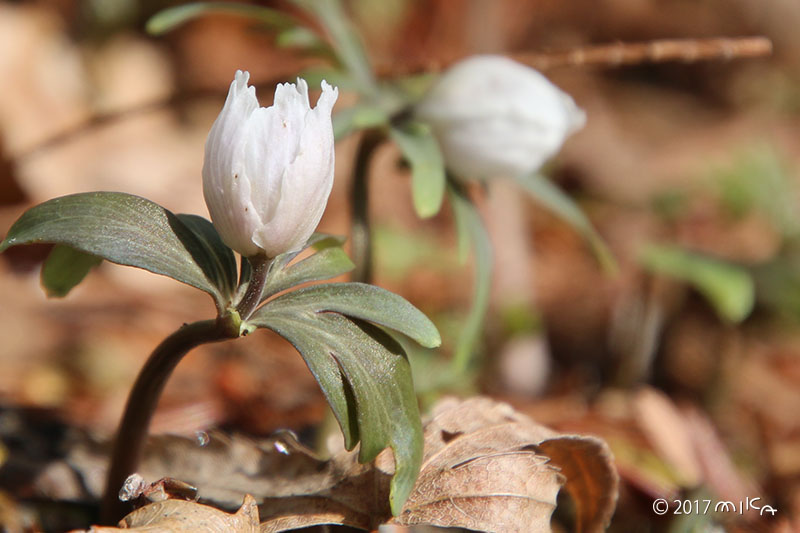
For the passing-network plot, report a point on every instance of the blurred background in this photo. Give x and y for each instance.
(700, 157)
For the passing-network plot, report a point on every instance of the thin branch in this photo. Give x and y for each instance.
(617, 54)
(660, 51)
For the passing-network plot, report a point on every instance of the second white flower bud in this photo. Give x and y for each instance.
(495, 117)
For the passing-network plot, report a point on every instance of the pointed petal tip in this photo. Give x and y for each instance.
(242, 77)
(240, 85)
(328, 88)
(329, 95)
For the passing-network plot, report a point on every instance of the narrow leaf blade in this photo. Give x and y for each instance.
(170, 18)
(419, 146)
(553, 198)
(344, 39)
(64, 269)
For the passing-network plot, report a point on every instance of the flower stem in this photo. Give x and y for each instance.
(359, 206)
(142, 401)
(259, 265)
(468, 218)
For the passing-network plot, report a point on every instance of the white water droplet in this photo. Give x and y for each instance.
(132, 488)
(281, 447)
(202, 438)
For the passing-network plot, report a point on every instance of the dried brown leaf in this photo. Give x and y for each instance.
(592, 479)
(666, 430)
(223, 467)
(302, 511)
(719, 470)
(486, 467)
(178, 516)
(481, 471)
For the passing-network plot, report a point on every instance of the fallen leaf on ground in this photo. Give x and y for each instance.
(223, 467)
(591, 478)
(179, 516)
(486, 467)
(668, 433)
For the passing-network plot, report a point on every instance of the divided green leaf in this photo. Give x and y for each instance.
(363, 372)
(362, 301)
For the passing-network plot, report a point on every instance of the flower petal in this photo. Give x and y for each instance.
(306, 183)
(225, 188)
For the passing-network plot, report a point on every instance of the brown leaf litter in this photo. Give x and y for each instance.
(486, 467)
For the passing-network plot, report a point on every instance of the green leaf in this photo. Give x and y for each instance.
(419, 146)
(318, 241)
(362, 301)
(124, 229)
(778, 281)
(344, 39)
(472, 234)
(325, 264)
(366, 378)
(221, 261)
(170, 18)
(301, 37)
(759, 179)
(360, 116)
(64, 269)
(315, 349)
(400, 249)
(727, 287)
(553, 198)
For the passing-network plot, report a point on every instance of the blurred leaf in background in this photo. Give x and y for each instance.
(759, 180)
(727, 287)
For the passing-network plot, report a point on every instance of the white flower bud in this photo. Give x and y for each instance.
(268, 172)
(495, 117)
